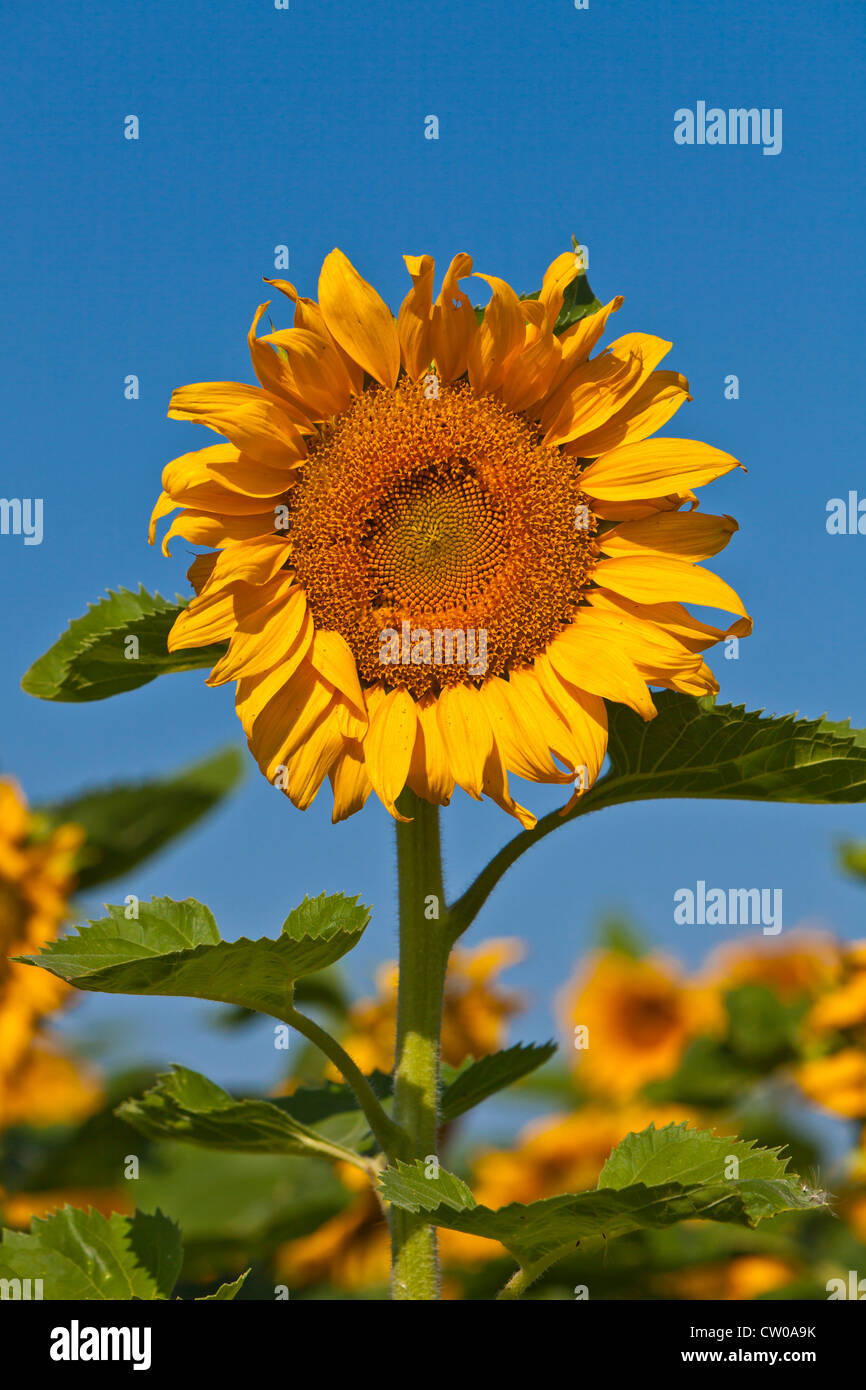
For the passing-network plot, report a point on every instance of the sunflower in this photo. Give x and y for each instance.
(36, 877)
(636, 1017)
(439, 543)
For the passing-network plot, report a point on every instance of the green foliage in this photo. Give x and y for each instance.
(852, 857)
(174, 948)
(696, 748)
(475, 1081)
(187, 1106)
(85, 1255)
(90, 662)
(652, 1180)
(126, 823)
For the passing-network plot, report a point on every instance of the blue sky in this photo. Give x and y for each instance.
(305, 127)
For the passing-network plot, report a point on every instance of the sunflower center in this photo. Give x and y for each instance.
(420, 515)
(437, 540)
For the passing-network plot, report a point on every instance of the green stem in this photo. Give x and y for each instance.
(424, 950)
(386, 1131)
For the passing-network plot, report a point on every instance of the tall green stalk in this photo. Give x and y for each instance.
(424, 949)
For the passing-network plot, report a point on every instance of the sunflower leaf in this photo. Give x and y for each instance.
(119, 644)
(225, 1291)
(85, 1255)
(174, 948)
(697, 748)
(652, 1180)
(476, 1081)
(185, 1105)
(126, 823)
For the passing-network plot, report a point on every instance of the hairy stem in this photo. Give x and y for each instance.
(424, 950)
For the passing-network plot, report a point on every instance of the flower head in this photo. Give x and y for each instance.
(36, 877)
(636, 1018)
(440, 544)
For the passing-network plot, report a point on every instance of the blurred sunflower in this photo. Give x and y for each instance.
(800, 966)
(474, 1018)
(837, 1082)
(743, 1277)
(844, 1007)
(38, 1084)
(638, 1016)
(396, 489)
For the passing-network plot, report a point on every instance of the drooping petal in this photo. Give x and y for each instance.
(269, 621)
(389, 743)
(255, 421)
(350, 781)
(467, 735)
(430, 774)
(332, 657)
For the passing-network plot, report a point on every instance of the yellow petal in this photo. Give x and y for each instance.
(414, 321)
(269, 622)
(596, 665)
(684, 535)
(579, 340)
(349, 781)
(309, 315)
(309, 767)
(287, 718)
(255, 692)
(599, 389)
(389, 743)
(467, 735)
(523, 737)
(500, 337)
(429, 771)
(254, 562)
(359, 318)
(212, 480)
(656, 579)
(209, 618)
(557, 278)
(654, 467)
(332, 657)
(207, 528)
(495, 785)
(314, 369)
(253, 420)
(675, 619)
(652, 405)
(453, 325)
